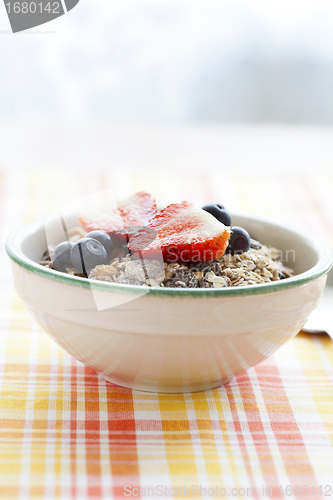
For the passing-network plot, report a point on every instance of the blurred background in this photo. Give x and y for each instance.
(171, 61)
(224, 100)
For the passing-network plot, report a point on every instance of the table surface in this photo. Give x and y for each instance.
(66, 434)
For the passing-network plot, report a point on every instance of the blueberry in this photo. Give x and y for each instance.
(239, 241)
(103, 238)
(88, 253)
(61, 258)
(219, 212)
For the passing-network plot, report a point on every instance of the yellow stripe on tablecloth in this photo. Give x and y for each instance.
(176, 426)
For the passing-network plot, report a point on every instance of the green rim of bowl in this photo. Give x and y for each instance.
(321, 268)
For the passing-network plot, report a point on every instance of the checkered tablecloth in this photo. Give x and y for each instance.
(66, 434)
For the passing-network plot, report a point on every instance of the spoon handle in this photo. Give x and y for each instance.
(314, 332)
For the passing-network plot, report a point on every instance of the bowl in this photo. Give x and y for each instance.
(171, 340)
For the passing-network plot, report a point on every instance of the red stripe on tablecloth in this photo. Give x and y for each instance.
(122, 439)
(121, 435)
(92, 426)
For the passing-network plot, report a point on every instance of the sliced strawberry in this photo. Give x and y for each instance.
(182, 232)
(124, 220)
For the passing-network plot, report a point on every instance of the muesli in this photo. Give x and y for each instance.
(182, 246)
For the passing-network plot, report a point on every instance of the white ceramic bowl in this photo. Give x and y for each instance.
(171, 340)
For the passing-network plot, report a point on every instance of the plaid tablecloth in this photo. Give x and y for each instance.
(66, 434)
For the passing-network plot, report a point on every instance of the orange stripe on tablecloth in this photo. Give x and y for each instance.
(122, 439)
(294, 454)
(92, 425)
(35, 492)
(9, 491)
(9, 425)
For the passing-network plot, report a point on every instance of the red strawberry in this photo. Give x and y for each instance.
(182, 232)
(124, 220)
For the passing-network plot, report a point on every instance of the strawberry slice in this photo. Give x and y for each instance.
(182, 232)
(124, 220)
